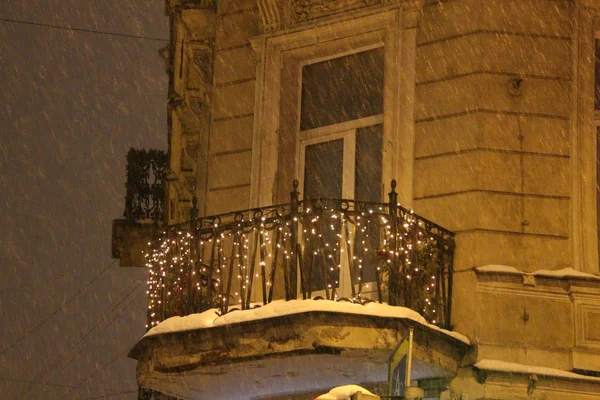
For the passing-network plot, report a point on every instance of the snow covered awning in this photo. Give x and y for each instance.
(514, 368)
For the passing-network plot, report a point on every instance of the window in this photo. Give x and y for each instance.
(340, 140)
(322, 111)
(342, 89)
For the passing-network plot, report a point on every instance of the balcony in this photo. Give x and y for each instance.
(307, 287)
(330, 249)
(144, 206)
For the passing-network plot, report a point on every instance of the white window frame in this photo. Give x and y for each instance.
(306, 45)
(347, 132)
(348, 162)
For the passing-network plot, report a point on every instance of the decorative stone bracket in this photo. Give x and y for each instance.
(278, 14)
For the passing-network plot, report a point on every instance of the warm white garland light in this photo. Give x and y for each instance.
(179, 260)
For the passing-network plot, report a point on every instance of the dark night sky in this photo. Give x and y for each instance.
(72, 104)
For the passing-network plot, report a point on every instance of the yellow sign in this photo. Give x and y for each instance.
(399, 365)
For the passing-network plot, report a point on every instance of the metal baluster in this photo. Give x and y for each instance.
(242, 269)
(294, 240)
(193, 257)
(230, 278)
(263, 272)
(211, 268)
(394, 279)
(351, 264)
(276, 245)
(252, 265)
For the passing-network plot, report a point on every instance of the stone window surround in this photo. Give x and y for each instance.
(284, 52)
(583, 142)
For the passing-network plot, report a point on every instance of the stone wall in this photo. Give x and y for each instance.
(230, 143)
(492, 163)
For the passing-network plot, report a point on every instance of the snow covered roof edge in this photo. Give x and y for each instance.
(504, 366)
(559, 273)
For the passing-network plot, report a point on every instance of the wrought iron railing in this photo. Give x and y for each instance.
(144, 199)
(333, 249)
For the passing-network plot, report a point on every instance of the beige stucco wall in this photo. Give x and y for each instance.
(496, 164)
(230, 143)
(490, 165)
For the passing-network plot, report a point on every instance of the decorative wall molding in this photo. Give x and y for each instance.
(270, 15)
(282, 53)
(275, 15)
(304, 10)
(587, 322)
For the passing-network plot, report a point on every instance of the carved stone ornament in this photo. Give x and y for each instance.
(197, 105)
(190, 184)
(270, 15)
(305, 10)
(192, 149)
(198, 3)
(203, 62)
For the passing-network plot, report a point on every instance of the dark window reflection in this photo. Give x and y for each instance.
(369, 144)
(342, 89)
(323, 170)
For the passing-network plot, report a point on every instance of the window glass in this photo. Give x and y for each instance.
(323, 168)
(369, 144)
(342, 89)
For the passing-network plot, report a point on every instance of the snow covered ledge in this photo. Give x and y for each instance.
(505, 380)
(313, 343)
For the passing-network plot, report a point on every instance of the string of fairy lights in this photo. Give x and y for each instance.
(247, 262)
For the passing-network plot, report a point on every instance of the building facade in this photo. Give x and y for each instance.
(484, 114)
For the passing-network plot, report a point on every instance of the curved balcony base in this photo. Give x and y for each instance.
(295, 354)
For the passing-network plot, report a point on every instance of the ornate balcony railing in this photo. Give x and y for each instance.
(334, 249)
(145, 191)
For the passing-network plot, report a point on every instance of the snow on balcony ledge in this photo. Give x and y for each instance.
(278, 308)
(565, 273)
(508, 367)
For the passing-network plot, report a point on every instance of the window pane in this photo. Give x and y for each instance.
(369, 144)
(323, 168)
(342, 89)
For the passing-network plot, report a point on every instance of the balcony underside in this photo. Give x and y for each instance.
(297, 353)
(130, 241)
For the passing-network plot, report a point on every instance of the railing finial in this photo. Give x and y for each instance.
(294, 194)
(393, 198)
(194, 212)
(291, 285)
